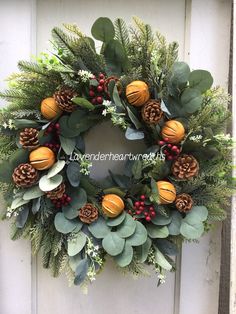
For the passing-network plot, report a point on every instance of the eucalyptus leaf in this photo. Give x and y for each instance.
(125, 258)
(127, 228)
(112, 222)
(78, 198)
(32, 193)
(65, 129)
(84, 103)
(160, 220)
(139, 237)
(174, 226)
(70, 212)
(103, 29)
(192, 231)
(56, 168)
(137, 169)
(36, 203)
(22, 217)
(99, 228)
(81, 271)
(166, 247)
(132, 134)
(18, 202)
(67, 144)
(161, 260)
(64, 225)
(76, 243)
(201, 80)
(143, 250)
(73, 173)
(191, 100)
(157, 232)
(113, 244)
(133, 118)
(48, 184)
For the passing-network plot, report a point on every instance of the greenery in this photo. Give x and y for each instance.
(139, 217)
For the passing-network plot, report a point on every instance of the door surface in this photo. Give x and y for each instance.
(202, 30)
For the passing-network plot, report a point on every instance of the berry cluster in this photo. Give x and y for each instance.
(144, 210)
(54, 130)
(63, 201)
(96, 93)
(170, 150)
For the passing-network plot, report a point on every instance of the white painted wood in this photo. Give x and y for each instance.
(233, 221)
(15, 257)
(209, 49)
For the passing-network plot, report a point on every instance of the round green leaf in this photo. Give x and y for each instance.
(18, 202)
(161, 260)
(127, 228)
(56, 168)
(78, 198)
(160, 220)
(48, 184)
(76, 244)
(174, 226)
(112, 222)
(139, 237)
(143, 250)
(157, 232)
(65, 129)
(201, 80)
(197, 214)
(69, 212)
(190, 231)
(191, 100)
(73, 173)
(125, 258)
(67, 144)
(64, 225)
(103, 29)
(99, 228)
(113, 244)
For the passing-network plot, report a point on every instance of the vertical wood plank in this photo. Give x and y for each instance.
(233, 216)
(209, 46)
(15, 257)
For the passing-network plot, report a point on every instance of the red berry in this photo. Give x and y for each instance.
(101, 82)
(145, 214)
(99, 88)
(161, 143)
(99, 100)
(166, 139)
(138, 212)
(91, 93)
(169, 145)
(152, 214)
(50, 129)
(68, 199)
(141, 208)
(170, 157)
(94, 101)
(151, 208)
(137, 204)
(174, 148)
(142, 197)
(130, 212)
(142, 203)
(166, 152)
(148, 218)
(57, 126)
(101, 76)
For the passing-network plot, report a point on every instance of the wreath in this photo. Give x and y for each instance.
(174, 193)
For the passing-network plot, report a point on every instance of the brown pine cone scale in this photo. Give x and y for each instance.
(29, 138)
(88, 213)
(185, 167)
(57, 193)
(25, 175)
(184, 202)
(63, 98)
(151, 112)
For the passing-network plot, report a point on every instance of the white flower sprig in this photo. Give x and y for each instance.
(85, 75)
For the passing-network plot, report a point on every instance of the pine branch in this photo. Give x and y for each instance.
(31, 67)
(64, 41)
(73, 28)
(122, 33)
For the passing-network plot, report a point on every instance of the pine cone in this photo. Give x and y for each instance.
(57, 193)
(88, 213)
(185, 167)
(151, 112)
(117, 83)
(184, 202)
(29, 138)
(63, 98)
(25, 175)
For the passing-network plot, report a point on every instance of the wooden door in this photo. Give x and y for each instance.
(202, 30)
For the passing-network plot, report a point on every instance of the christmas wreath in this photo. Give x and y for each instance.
(174, 193)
